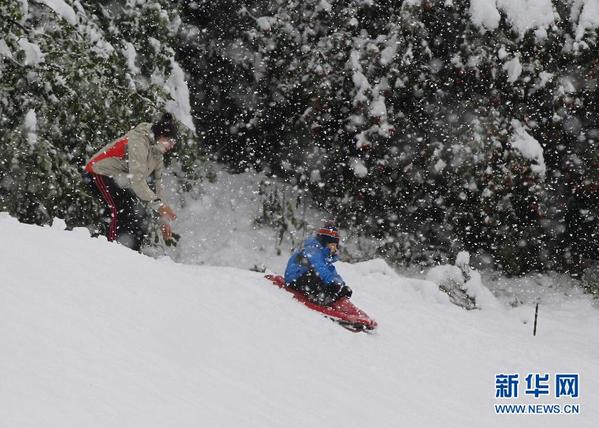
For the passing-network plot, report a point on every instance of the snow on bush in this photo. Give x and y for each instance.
(463, 284)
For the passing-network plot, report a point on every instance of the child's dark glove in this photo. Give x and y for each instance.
(342, 290)
(345, 291)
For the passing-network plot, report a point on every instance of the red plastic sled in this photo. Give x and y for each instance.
(342, 311)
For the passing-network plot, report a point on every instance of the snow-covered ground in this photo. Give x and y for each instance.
(218, 223)
(95, 335)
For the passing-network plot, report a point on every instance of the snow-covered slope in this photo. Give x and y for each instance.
(217, 223)
(95, 335)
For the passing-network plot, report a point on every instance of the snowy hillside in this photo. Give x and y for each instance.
(94, 335)
(221, 231)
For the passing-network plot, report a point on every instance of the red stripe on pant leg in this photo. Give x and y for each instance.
(100, 185)
(114, 209)
(108, 198)
(106, 195)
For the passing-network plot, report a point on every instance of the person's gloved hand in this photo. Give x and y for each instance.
(165, 211)
(345, 291)
(342, 290)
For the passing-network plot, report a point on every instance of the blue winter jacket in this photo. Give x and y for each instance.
(313, 255)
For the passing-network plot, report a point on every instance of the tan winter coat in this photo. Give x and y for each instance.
(130, 160)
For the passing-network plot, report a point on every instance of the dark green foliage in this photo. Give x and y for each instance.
(402, 119)
(79, 96)
(405, 119)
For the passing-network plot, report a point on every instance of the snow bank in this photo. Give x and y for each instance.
(96, 335)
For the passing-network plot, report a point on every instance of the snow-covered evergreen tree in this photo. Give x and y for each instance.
(433, 125)
(76, 75)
